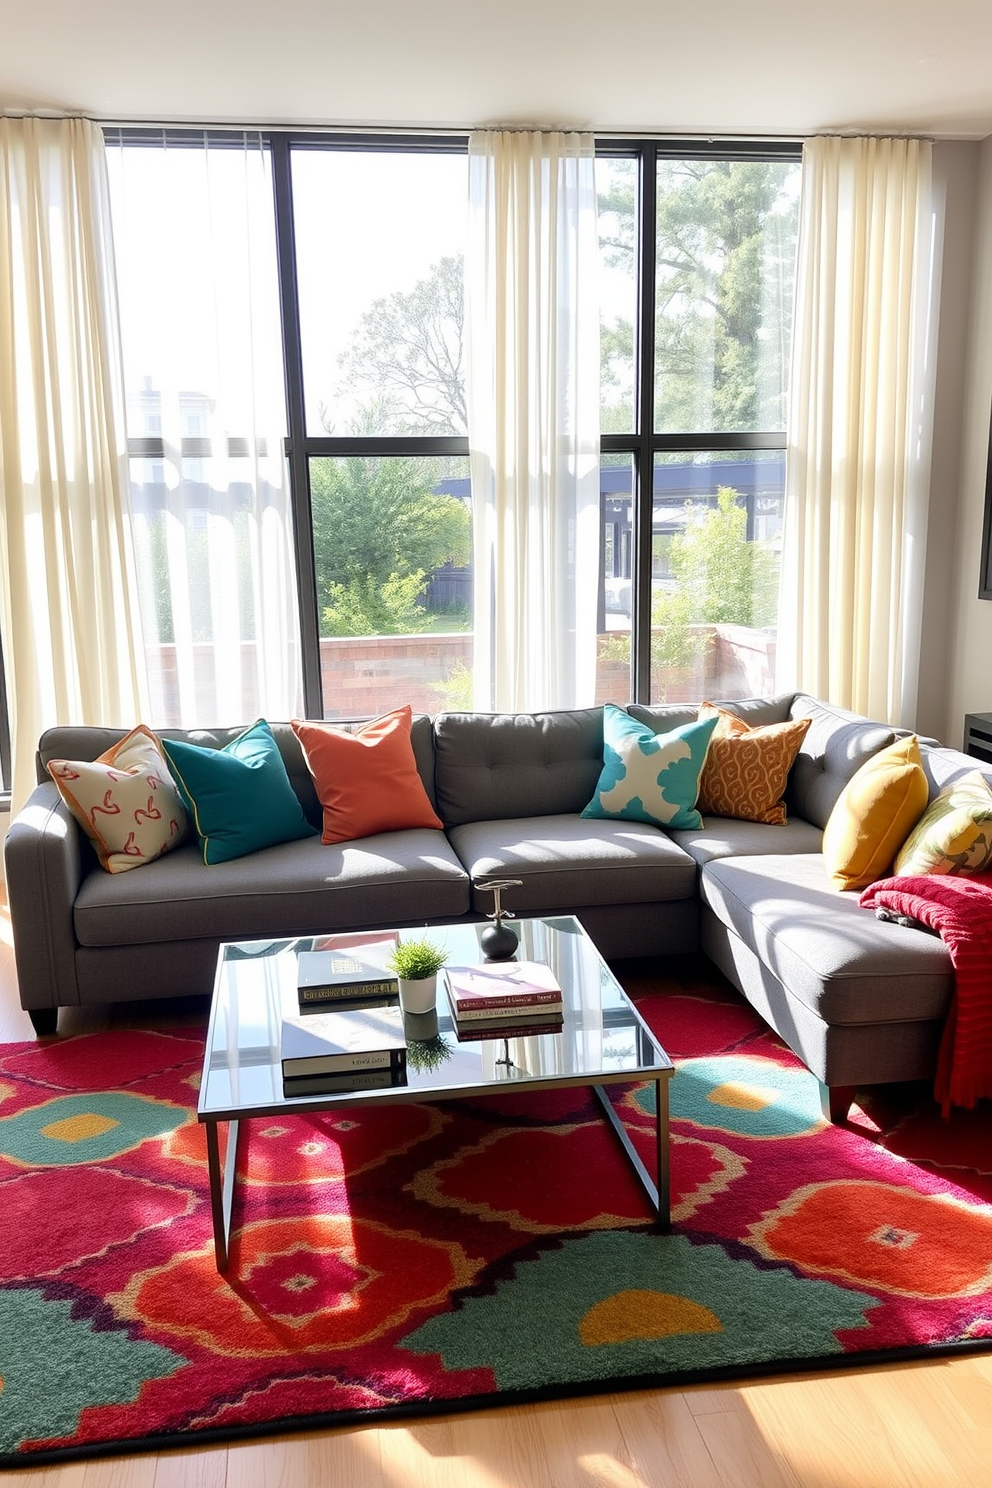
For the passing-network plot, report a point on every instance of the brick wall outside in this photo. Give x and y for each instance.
(368, 675)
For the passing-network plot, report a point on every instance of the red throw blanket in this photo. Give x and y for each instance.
(960, 910)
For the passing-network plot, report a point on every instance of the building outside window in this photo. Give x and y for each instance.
(356, 268)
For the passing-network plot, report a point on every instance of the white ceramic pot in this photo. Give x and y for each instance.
(418, 996)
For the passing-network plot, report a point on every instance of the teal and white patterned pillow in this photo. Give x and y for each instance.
(647, 776)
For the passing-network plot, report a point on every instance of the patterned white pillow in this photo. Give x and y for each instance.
(954, 834)
(650, 777)
(126, 801)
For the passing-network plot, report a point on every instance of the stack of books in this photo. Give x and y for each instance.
(345, 1029)
(506, 999)
(347, 1048)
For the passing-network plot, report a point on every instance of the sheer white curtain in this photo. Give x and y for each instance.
(532, 311)
(70, 628)
(206, 415)
(860, 405)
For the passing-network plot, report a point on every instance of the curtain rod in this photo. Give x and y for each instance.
(444, 131)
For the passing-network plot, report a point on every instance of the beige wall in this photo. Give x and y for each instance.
(956, 168)
(966, 654)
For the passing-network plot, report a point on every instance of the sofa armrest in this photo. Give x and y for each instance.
(44, 854)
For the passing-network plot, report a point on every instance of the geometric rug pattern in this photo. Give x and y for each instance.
(391, 1261)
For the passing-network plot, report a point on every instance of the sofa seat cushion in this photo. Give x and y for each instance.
(568, 862)
(729, 837)
(847, 966)
(295, 888)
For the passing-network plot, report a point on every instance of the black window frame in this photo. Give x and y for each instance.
(302, 446)
(642, 444)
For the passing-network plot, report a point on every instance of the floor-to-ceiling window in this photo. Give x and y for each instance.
(359, 241)
(698, 251)
(378, 434)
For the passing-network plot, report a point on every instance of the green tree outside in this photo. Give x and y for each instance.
(407, 356)
(719, 578)
(726, 579)
(726, 239)
(380, 529)
(725, 245)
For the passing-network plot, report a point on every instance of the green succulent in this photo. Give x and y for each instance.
(413, 960)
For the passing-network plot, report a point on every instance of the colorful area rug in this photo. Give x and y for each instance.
(399, 1261)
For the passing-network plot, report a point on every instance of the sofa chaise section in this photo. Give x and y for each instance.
(860, 1002)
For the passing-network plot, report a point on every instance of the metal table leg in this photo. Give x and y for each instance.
(657, 1188)
(222, 1187)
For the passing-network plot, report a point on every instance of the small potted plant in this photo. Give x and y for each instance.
(416, 964)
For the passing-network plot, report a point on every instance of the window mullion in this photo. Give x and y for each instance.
(643, 471)
(299, 473)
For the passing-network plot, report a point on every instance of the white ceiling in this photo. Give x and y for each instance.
(773, 67)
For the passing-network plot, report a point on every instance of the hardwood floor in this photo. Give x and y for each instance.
(906, 1426)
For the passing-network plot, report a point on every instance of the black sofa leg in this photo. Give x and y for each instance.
(836, 1101)
(44, 1021)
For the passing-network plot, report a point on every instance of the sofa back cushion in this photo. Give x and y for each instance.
(78, 741)
(755, 712)
(836, 745)
(943, 767)
(493, 766)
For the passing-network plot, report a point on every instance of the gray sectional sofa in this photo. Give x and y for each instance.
(859, 1000)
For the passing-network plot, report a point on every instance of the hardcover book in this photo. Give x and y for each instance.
(508, 1028)
(341, 1083)
(344, 1039)
(544, 1012)
(345, 973)
(492, 986)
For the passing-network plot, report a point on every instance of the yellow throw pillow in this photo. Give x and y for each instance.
(954, 834)
(874, 814)
(746, 768)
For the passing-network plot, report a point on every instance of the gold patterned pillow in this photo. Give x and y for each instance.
(954, 834)
(746, 768)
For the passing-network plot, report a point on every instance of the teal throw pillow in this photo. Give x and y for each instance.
(239, 798)
(647, 776)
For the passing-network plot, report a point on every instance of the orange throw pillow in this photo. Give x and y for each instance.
(366, 781)
(746, 768)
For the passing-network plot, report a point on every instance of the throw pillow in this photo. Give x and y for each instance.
(874, 814)
(954, 834)
(647, 776)
(125, 801)
(747, 768)
(367, 781)
(240, 797)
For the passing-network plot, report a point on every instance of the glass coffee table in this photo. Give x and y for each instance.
(603, 1041)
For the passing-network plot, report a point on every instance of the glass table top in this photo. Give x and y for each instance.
(603, 1039)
